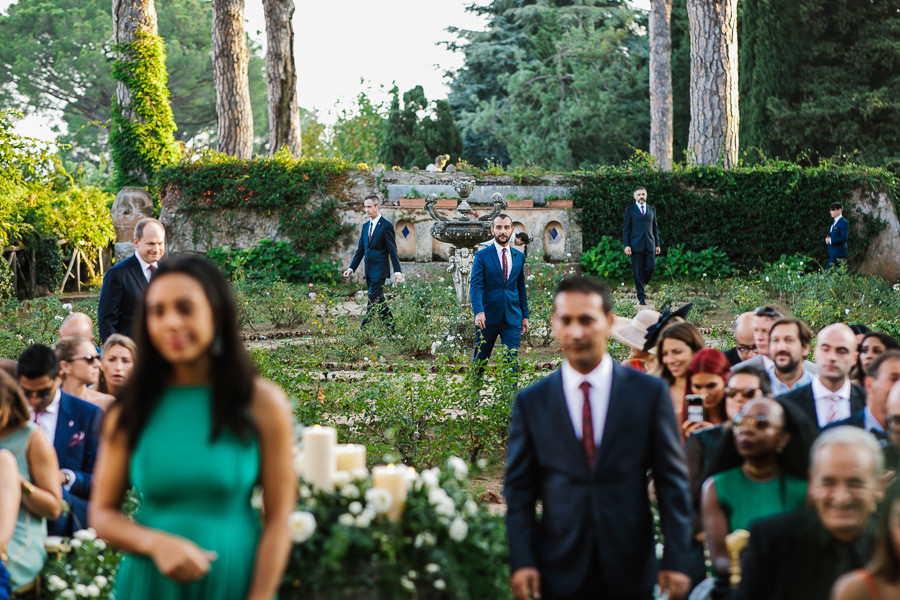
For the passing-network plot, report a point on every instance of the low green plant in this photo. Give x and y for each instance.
(694, 264)
(85, 567)
(607, 260)
(413, 193)
(269, 261)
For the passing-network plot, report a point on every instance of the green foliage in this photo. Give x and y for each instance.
(752, 214)
(607, 260)
(410, 142)
(216, 183)
(143, 134)
(85, 568)
(6, 281)
(358, 132)
(708, 262)
(21, 158)
(273, 261)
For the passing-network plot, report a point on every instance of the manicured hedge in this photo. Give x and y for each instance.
(754, 215)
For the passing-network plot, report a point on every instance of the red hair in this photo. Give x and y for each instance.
(714, 362)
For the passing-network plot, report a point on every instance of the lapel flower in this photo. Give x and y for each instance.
(76, 439)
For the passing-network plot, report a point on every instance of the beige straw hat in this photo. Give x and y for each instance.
(633, 332)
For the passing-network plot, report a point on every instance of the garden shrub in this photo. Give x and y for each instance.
(269, 261)
(607, 259)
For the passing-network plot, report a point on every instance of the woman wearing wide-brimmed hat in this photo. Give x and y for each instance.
(633, 333)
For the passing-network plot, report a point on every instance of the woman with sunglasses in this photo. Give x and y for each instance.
(79, 366)
(40, 489)
(742, 384)
(758, 469)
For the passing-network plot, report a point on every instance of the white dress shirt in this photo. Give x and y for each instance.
(601, 382)
(47, 419)
(145, 266)
(499, 249)
(779, 387)
(826, 408)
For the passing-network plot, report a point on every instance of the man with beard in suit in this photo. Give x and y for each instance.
(640, 235)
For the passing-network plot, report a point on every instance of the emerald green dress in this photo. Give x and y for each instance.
(745, 500)
(197, 489)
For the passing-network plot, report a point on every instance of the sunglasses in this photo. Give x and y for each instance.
(766, 311)
(89, 358)
(745, 349)
(43, 394)
(747, 393)
(760, 423)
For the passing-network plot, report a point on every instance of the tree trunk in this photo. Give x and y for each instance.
(230, 62)
(661, 83)
(713, 133)
(281, 77)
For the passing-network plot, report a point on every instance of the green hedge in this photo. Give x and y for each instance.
(753, 215)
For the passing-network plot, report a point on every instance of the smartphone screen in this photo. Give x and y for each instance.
(695, 411)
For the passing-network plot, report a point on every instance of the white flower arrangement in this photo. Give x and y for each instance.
(301, 524)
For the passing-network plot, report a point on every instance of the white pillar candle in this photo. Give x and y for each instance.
(319, 459)
(393, 480)
(350, 457)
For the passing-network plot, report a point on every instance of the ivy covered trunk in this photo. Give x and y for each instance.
(661, 83)
(281, 77)
(230, 62)
(142, 135)
(713, 133)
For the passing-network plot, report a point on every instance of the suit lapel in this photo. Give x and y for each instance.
(560, 420)
(61, 441)
(613, 412)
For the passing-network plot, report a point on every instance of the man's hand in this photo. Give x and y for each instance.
(398, 277)
(676, 584)
(658, 250)
(827, 240)
(348, 272)
(627, 250)
(526, 583)
(479, 320)
(524, 326)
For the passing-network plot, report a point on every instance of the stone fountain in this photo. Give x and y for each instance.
(464, 232)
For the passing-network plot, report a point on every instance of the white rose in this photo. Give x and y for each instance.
(75, 543)
(440, 584)
(305, 492)
(458, 467)
(364, 519)
(56, 583)
(347, 520)
(470, 508)
(458, 530)
(359, 473)
(81, 590)
(408, 585)
(92, 590)
(379, 500)
(412, 574)
(340, 479)
(298, 464)
(355, 508)
(424, 540)
(301, 525)
(67, 595)
(445, 508)
(101, 581)
(349, 491)
(432, 568)
(86, 535)
(99, 544)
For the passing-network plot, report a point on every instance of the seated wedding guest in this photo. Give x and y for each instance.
(194, 393)
(38, 484)
(10, 499)
(73, 427)
(759, 469)
(744, 346)
(674, 350)
(633, 333)
(880, 580)
(116, 363)
(831, 397)
(789, 342)
(882, 374)
(802, 554)
(79, 367)
(872, 345)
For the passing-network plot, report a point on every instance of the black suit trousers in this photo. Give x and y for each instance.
(377, 303)
(642, 266)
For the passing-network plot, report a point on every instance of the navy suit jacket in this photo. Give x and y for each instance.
(602, 512)
(377, 251)
(122, 288)
(641, 232)
(503, 303)
(839, 233)
(803, 397)
(77, 435)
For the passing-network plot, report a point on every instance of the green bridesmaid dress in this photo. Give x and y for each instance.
(197, 489)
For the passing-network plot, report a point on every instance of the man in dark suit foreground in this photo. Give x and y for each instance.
(125, 282)
(799, 555)
(377, 245)
(72, 426)
(581, 442)
(640, 236)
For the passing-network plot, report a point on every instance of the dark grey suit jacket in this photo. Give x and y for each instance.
(602, 512)
(122, 288)
(803, 397)
(641, 232)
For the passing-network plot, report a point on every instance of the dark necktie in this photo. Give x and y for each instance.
(587, 424)
(37, 417)
(152, 269)
(371, 228)
(505, 266)
(643, 210)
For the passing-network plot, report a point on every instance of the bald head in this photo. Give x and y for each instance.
(835, 355)
(743, 336)
(79, 325)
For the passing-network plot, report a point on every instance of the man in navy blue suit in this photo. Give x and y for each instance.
(497, 291)
(582, 442)
(640, 235)
(836, 240)
(378, 246)
(125, 282)
(71, 424)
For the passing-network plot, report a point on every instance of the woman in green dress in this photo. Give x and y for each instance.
(759, 469)
(194, 431)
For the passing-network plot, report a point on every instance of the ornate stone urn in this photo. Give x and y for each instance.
(464, 232)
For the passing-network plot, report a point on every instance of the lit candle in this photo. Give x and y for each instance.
(393, 481)
(319, 459)
(350, 457)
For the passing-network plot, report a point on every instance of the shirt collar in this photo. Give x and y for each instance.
(144, 265)
(53, 407)
(820, 391)
(869, 421)
(375, 221)
(598, 378)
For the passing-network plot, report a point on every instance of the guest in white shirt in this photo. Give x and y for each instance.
(789, 342)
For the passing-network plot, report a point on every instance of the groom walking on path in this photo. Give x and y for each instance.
(581, 442)
(376, 245)
(640, 235)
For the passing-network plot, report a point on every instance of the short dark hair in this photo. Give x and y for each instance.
(523, 237)
(583, 284)
(142, 224)
(837, 206)
(859, 328)
(879, 360)
(374, 198)
(36, 361)
(640, 187)
(765, 384)
(771, 311)
(803, 330)
(501, 216)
